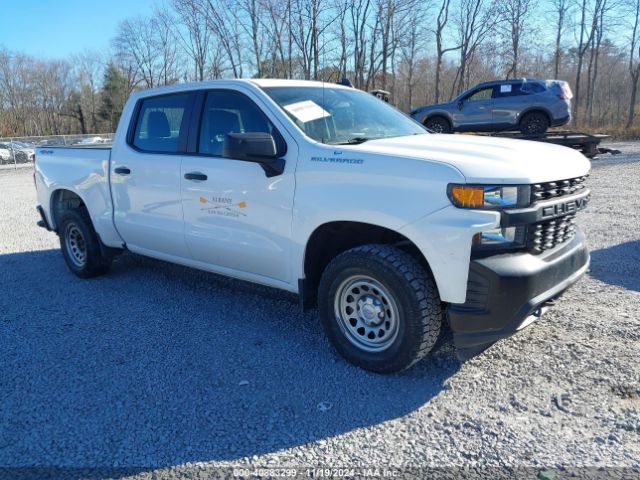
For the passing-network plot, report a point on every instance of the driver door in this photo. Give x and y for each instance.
(476, 109)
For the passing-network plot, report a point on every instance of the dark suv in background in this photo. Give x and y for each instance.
(530, 106)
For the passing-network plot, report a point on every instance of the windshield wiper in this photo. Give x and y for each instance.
(353, 141)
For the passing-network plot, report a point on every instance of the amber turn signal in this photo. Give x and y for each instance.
(467, 197)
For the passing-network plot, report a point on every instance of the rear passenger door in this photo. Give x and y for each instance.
(237, 219)
(145, 177)
(509, 100)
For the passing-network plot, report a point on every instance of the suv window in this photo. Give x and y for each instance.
(226, 111)
(508, 90)
(160, 123)
(532, 87)
(482, 94)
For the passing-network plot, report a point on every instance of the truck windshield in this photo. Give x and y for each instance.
(340, 116)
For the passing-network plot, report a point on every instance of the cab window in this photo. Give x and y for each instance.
(160, 123)
(226, 111)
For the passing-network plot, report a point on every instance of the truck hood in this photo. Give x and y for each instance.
(483, 159)
(434, 106)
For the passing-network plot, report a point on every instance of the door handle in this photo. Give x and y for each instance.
(195, 176)
(122, 170)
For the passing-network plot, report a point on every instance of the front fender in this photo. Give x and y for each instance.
(444, 238)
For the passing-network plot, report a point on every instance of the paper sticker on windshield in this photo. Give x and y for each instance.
(306, 111)
(505, 88)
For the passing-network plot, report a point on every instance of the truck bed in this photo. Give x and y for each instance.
(80, 169)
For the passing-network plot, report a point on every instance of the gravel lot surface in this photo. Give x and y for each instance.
(156, 366)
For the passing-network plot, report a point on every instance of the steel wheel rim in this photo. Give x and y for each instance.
(366, 313)
(75, 245)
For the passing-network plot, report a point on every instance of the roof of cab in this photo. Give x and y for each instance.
(256, 82)
(276, 82)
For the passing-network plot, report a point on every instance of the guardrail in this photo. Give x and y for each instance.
(21, 150)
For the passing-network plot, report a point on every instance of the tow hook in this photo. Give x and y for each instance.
(537, 313)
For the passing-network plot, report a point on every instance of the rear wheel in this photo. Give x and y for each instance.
(80, 245)
(534, 123)
(380, 308)
(438, 125)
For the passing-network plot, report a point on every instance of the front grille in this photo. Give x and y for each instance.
(546, 235)
(559, 188)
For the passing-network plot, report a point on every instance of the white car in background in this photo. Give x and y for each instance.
(5, 154)
(23, 151)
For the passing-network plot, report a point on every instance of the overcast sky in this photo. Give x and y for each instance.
(58, 28)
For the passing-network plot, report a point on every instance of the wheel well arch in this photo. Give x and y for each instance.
(435, 114)
(529, 110)
(333, 238)
(63, 199)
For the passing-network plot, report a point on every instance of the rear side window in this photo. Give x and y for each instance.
(160, 123)
(532, 87)
(226, 111)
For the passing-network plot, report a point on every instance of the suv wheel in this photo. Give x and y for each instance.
(534, 123)
(438, 125)
(379, 308)
(80, 245)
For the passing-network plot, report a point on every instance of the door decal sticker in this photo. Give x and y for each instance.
(223, 206)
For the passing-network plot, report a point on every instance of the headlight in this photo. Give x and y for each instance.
(489, 197)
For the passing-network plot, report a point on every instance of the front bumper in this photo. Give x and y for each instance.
(504, 291)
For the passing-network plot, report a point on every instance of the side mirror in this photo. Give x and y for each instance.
(460, 104)
(257, 147)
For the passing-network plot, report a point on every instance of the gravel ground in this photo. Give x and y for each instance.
(172, 372)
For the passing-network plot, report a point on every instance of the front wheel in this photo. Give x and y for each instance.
(438, 125)
(80, 245)
(379, 308)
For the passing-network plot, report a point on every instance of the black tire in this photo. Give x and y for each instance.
(534, 123)
(412, 292)
(438, 124)
(80, 244)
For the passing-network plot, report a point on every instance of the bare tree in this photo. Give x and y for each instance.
(276, 29)
(475, 20)
(410, 49)
(561, 8)
(249, 19)
(441, 24)
(222, 20)
(197, 37)
(373, 42)
(165, 43)
(88, 71)
(308, 28)
(634, 60)
(357, 18)
(515, 15)
(135, 42)
(587, 27)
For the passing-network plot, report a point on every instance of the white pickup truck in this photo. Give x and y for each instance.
(328, 192)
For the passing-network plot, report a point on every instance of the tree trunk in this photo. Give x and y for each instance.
(632, 102)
